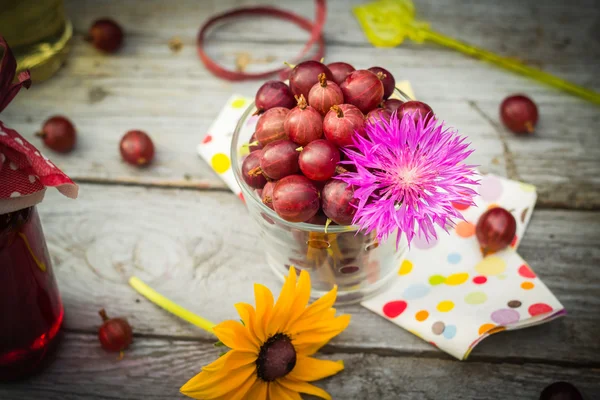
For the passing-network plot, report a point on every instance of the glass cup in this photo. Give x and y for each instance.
(358, 264)
(31, 311)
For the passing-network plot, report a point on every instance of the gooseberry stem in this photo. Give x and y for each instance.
(103, 315)
(170, 306)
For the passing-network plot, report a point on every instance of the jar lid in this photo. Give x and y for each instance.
(24, 172)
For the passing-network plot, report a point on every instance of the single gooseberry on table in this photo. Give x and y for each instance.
(58, 134)
(318, 160)
(303, 123)
(137, 148)
(251, 171)
(386, 77)
(270, 126)
(340, 71)
(418, 109)
(495, 229)
(273, 94)
(105, 35)
(519, 114)
(324, 94)
(339, 203)
(115, 334)
(279, 159)
(363, 89)
(295, 198)
(341, 123)
(304, 76)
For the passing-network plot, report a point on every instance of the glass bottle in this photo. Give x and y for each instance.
(31, 311)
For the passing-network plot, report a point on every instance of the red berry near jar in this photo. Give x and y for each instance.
(318, 160)
(137, 148)
(105, 35)
(58, 134)
(519, 114)
(115, 334)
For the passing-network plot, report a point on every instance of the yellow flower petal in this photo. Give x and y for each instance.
(276, 391)
(303, 387)
(321, 305)
(309, 342)
(264, 307)
(301, 299)
(212, 385)
(280, 314)
(248, 315)
(310, 369)
(338, 324)
(235, 336)
(232, 359)
(241, 392)
(258, 391)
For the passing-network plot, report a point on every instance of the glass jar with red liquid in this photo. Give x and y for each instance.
(31, 311)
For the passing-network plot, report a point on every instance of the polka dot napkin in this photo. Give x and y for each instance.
(450, 296)
(215, 147)
(25, 173)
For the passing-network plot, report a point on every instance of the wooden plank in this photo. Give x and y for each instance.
(157, 368)
(110, 95)
(203, 251)
(146, 86)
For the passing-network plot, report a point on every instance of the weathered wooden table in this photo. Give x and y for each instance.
(178, 227)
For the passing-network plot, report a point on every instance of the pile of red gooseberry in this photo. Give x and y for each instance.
(295, 149)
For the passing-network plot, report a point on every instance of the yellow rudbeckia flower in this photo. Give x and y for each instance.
(270, 356)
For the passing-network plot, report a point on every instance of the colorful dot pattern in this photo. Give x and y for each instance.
(449, 295)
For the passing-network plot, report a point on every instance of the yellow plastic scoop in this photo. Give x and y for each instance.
(387, 23)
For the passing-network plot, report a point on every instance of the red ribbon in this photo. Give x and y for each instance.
(315, 29)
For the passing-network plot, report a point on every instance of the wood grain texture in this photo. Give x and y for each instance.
(203, 251)
(172, 97)
(157, 368)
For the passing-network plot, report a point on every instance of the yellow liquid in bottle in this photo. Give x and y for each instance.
(38, 33)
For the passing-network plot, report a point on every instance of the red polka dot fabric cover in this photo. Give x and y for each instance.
(450, 296)
(25, 173)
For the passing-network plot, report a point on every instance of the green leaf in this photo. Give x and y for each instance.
(219, 344)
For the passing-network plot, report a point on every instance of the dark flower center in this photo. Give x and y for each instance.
(276, 359)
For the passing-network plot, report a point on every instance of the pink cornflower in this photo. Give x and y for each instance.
(408, 174)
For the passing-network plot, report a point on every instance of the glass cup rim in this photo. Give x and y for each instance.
(248, 192)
